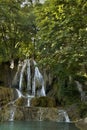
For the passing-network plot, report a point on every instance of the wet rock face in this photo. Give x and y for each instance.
(12, 112)
(6, 74)
(82, 124)
(30, 113)
(6, 95)
(43, 102)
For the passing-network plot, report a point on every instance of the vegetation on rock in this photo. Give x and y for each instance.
(55, 34)
(43, 102)
(6, 95)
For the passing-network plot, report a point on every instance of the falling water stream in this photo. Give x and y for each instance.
(80, 89)
(11, 115)
(63, 116)
(31, 86)
(33, 76)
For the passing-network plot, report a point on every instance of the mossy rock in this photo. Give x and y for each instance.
(18, 115)
(43, 102)
(20, 101)
(6, 95)
(83, 110)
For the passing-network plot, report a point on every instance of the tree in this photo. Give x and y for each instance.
(9, 13)
(62, 38)
(17, 29)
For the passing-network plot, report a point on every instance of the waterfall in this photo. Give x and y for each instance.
(42, 90)
(15, 81)
(33, 86)
(12, 112)
(11, 115)
(12, 64)
(33, 76)
(19, 93)
(66, 117)
(80, 89)
(21, 74)
(40, 114)
(63, 116)
(28, 102)
(28, 76)
(29, 97)
(39, 78)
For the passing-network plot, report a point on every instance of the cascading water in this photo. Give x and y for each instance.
(63, 116)
(40, 113)
(29, 97)
(33, 76)
(19, 93)
(29, 77)
(21, 74)
(66, 117)
(11, 115)
(15, 82)
(39, 78)
(80, 89)
(12, 112)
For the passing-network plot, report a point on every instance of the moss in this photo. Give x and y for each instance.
(43, 102)
(77, 111)
(4, 113)
(83, 110)
(5, 95)
(18, 115)
(20, 102)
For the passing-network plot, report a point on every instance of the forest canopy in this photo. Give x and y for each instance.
(54, 32)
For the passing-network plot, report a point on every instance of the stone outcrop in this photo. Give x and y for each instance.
(6, 95)
(82, 124)
(7, 74)
(43, 102)
(12, 112)
(29, 113)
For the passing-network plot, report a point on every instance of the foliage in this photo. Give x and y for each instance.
(43, 102)
(55, 31)
(17, 29)
(62, 38)
(8, 28)
(83, 110)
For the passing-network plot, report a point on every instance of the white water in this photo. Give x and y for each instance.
(13, 109)
(21, 74)
(23, 68)
(19, 93)
(12, 113)
(80, 89)
(33, 86)
(66, 117)
(12, 64)
(29, 97)
(37, 77)
(63, 116)
(28, 76)
(28, 102)
(79, 86)
(16, 77)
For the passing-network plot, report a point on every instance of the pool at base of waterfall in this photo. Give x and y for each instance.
(37, 125)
